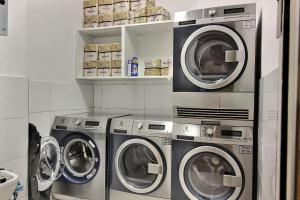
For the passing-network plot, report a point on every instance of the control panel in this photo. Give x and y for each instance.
(152, 128)
(73, 123)
(214, 133)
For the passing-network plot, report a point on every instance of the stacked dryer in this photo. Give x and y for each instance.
(213, 101)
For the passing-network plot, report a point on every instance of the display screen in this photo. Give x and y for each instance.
(91, 123)
(230, 133)
(187, 22)
(234, 10)
(156, 127)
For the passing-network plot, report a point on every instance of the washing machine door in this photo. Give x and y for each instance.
(210, 173)
(81, 157)
(140, 166)
(213, 57)
(50, 166)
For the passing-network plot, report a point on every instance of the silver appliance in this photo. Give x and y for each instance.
(215, 62)
(73, 158)
(212, 161)
(140, 155)
(3, 16)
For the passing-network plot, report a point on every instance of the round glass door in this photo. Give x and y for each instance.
(50, 166)
(213, 57)
(210, 173)
(139, 166)
(79, 157)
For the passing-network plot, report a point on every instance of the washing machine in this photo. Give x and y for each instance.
(140, 149)
(73, 158)
(215, 62)
(212, 161)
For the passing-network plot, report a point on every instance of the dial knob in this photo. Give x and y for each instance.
(77, 122)
(210, 132)
(139, 125)
(212, 12)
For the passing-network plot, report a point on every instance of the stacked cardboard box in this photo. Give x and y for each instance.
(102, 60)
(158, 67)
(104, 13)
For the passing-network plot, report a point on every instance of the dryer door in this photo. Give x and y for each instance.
(210, 173)
(140, 166)
(50, 165)
(213, 57)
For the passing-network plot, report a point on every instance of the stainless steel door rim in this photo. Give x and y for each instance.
(160, 164)
(239, 54)
(229, 181)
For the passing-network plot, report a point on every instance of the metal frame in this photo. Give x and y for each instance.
(119, 155)
(209, 149)
(236, 72)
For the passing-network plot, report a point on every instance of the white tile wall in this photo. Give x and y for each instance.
(66, 96)
(49, 99)
(39, 96)
(151, 99)
(14, 126)
(123, 96)
(14, 97)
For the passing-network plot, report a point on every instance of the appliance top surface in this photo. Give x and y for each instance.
(147, 118)
(225, 12)
(94, 115)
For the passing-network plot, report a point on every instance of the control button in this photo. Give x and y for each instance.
(139, 125)
(212, 12)
(209, 132)
(77, 122)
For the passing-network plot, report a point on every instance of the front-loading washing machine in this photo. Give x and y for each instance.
(212, 161)
(215, 62)
(140, 155)
(73, 159)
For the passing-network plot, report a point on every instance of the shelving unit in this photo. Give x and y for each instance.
(145, 41)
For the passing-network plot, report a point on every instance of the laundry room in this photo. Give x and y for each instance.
(149, 100)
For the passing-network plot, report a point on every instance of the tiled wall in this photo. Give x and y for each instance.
(141, 98)
(13, 127)
(48, 99)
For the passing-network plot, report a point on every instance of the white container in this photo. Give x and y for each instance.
(116, 55)
(90, 56)
(7, 188)
(90, 72)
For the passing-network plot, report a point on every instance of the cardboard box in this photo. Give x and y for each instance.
(134, 6)
(104, 72)
(104, 48)
(91, 48)
(142, 19)
(122, 7)
(104, 9)
(106, 56)
(146, 3)
(120, 16)
(91, 64)
(153, 63)
(116, 47)
(116, 64)
(116, 72)
(90, 8)
(164, 71)
(90, 22)
(116, 55)
(105, 2)
(121, 22)
(90, 72)
(90, 56)
(104, 64)
(157, 11)
(152, 72)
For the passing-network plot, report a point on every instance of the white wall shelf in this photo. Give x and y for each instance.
(145, 41)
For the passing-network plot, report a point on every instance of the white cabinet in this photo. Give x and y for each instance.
(145, 41)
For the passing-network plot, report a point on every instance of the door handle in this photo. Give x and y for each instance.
(154, 169)
(232, 181)
(234, 56)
